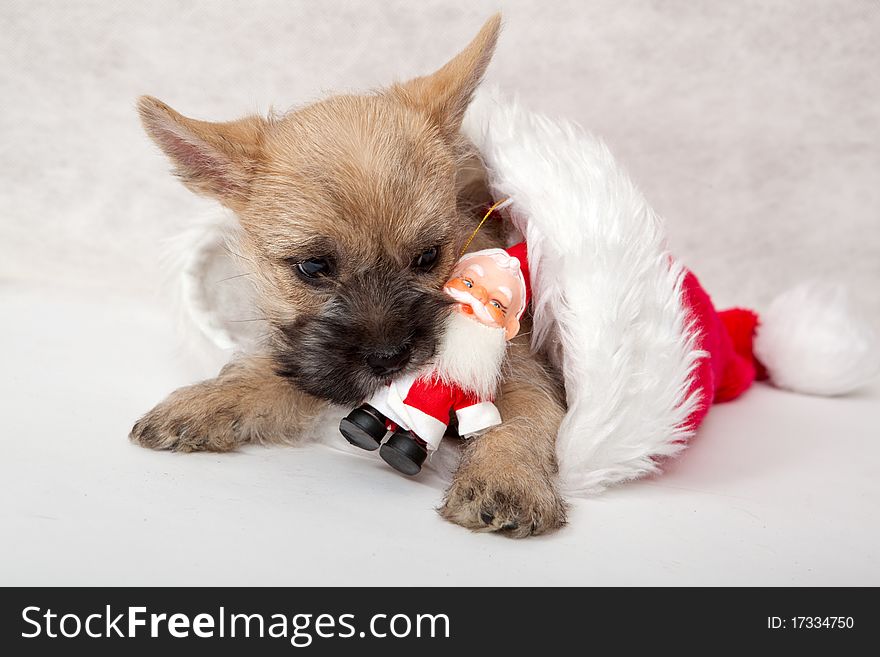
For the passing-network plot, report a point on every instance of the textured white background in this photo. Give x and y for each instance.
(753, 127)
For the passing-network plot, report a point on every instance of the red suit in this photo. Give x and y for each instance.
(424, 405)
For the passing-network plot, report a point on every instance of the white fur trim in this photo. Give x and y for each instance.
(428, 428)
(473, 420)
(393, 407)
(606, 294)
(380, 401)
(811, 340)
(194, 282)
(211, 291)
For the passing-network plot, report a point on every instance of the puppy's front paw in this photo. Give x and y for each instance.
(504, 496)
(189, 420)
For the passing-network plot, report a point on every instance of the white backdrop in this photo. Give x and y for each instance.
(751, 126)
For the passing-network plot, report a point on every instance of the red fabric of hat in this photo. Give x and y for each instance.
(520, 252)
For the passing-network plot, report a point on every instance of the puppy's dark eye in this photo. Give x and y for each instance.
(314, 268)
(426, 260)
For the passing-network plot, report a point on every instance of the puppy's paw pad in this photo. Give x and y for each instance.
(184, 425)
(513, 508)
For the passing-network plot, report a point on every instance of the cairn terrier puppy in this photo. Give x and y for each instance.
(353, 211)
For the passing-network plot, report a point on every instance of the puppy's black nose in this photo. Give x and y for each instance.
(388, 361)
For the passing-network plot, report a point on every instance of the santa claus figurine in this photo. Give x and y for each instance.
(491, 292)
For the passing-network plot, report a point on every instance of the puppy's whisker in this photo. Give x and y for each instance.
(237, 255)
(229, 278)
(253, 319)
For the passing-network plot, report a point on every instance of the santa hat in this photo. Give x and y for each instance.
(514, 258)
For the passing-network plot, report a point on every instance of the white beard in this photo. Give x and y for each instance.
(470, 355)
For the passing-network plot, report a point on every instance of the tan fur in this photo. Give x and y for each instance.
(379, 176)
(246, 403)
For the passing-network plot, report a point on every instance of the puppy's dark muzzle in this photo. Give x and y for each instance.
(379, 325)
(386, 363)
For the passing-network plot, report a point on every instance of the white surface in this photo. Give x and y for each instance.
(776, 489)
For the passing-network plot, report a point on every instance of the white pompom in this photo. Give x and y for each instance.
(812, 340)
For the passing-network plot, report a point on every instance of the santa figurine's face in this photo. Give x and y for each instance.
(489, 288)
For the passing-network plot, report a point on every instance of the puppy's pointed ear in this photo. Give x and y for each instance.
(214, 159)
(446, 94)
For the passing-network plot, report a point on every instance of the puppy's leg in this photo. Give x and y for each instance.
(507, 477)
(247, 402)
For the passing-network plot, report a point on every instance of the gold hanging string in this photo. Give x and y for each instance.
(496, 206)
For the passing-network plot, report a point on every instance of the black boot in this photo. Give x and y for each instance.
(404, 452)
(364, 427)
